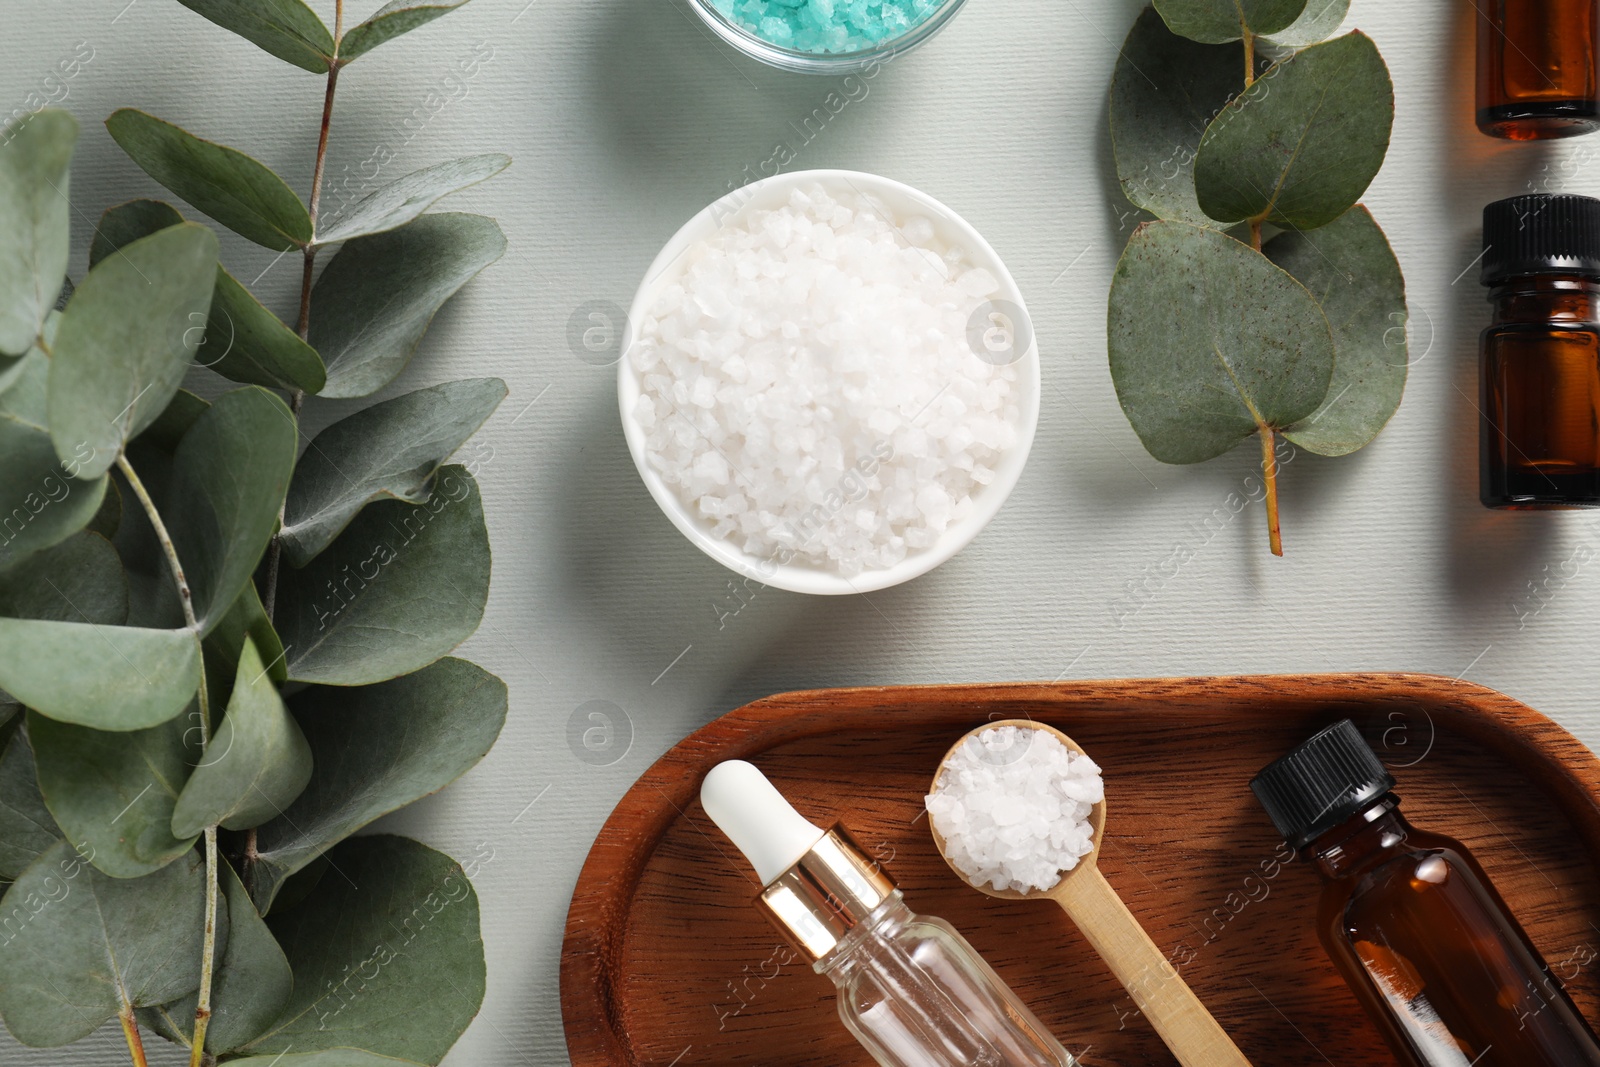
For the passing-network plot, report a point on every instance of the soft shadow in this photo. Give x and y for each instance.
(636, 587)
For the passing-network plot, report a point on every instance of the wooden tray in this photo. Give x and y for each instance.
(667, 962)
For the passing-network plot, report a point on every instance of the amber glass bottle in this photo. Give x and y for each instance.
(1539, 429)
(1412, 923)
(1538, 75)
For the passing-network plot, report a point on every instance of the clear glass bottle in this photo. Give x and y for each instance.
(1539, 404)
(1412, 922)
(1538, 75)
(911, 989)
(916, 994)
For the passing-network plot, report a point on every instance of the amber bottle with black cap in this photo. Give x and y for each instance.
(1538, 68)
(1412, 923)
(1539, 436)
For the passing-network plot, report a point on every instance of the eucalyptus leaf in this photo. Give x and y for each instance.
(229, 477)
(387, 955)
(389, 22)
(80, 946)
(1352, 272)
(112, 794)
(248, 619)
(125, 342)
(391, 206)
(79, 580)
(1219, 21)
(250, 989)
(378, 294)
(402, 586)
(254, 346)
(231, 187)
(295, 888)
(108, 516)
(376, 749)
(242, 341)
(1164, 93)
(390, 449)
(35, 157)
(125, 223)
(26, 827)
(1320, 20)
(10, 370)
(1302, 144)
(176, 419)
(106, 677)
(287, 29)
(41, 501)
(1210, 342)
(256, 765)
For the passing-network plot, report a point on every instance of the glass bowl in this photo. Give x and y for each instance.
(794, 59)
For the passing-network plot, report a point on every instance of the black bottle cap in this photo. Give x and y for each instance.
(1541, 234)
(1321, 783)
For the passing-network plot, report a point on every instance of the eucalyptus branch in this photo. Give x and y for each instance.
(202, 1010)
(208, 950)
(1269, 477)
(1298, 158)
(130, 1030)
(297, 397)
(239, 457)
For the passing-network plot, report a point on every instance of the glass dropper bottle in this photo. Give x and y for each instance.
(911, 989)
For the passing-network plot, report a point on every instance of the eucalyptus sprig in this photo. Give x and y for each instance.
(1229, 117)
(220, 659)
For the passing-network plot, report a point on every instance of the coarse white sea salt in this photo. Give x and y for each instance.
(808, 388)
(1012, 805)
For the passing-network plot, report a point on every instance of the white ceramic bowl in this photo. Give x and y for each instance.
(903, 201)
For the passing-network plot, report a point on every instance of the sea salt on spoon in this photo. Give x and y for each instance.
(1188, 1029)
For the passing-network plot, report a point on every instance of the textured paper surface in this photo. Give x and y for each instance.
(624, 118)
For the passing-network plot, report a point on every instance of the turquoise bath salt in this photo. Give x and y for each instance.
(825, 26)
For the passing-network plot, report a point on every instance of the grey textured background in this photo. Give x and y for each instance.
(624, 119)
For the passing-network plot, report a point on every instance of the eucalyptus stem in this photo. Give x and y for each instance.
(208, 947)
(297, 397)
(130, 1030)
(1269, 475)
(309, 253)
(160, 527)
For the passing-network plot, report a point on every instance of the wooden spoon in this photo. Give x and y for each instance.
(1084, 894)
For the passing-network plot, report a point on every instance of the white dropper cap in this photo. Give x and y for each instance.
(754, 815)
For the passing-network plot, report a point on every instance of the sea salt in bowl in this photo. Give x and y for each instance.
(820, 36)
(844, 475)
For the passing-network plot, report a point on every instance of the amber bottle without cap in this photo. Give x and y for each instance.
(1538, 68)
(1539, 398)
(1412, 923)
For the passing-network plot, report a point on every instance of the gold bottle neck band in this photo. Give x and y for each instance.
(828, 890)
